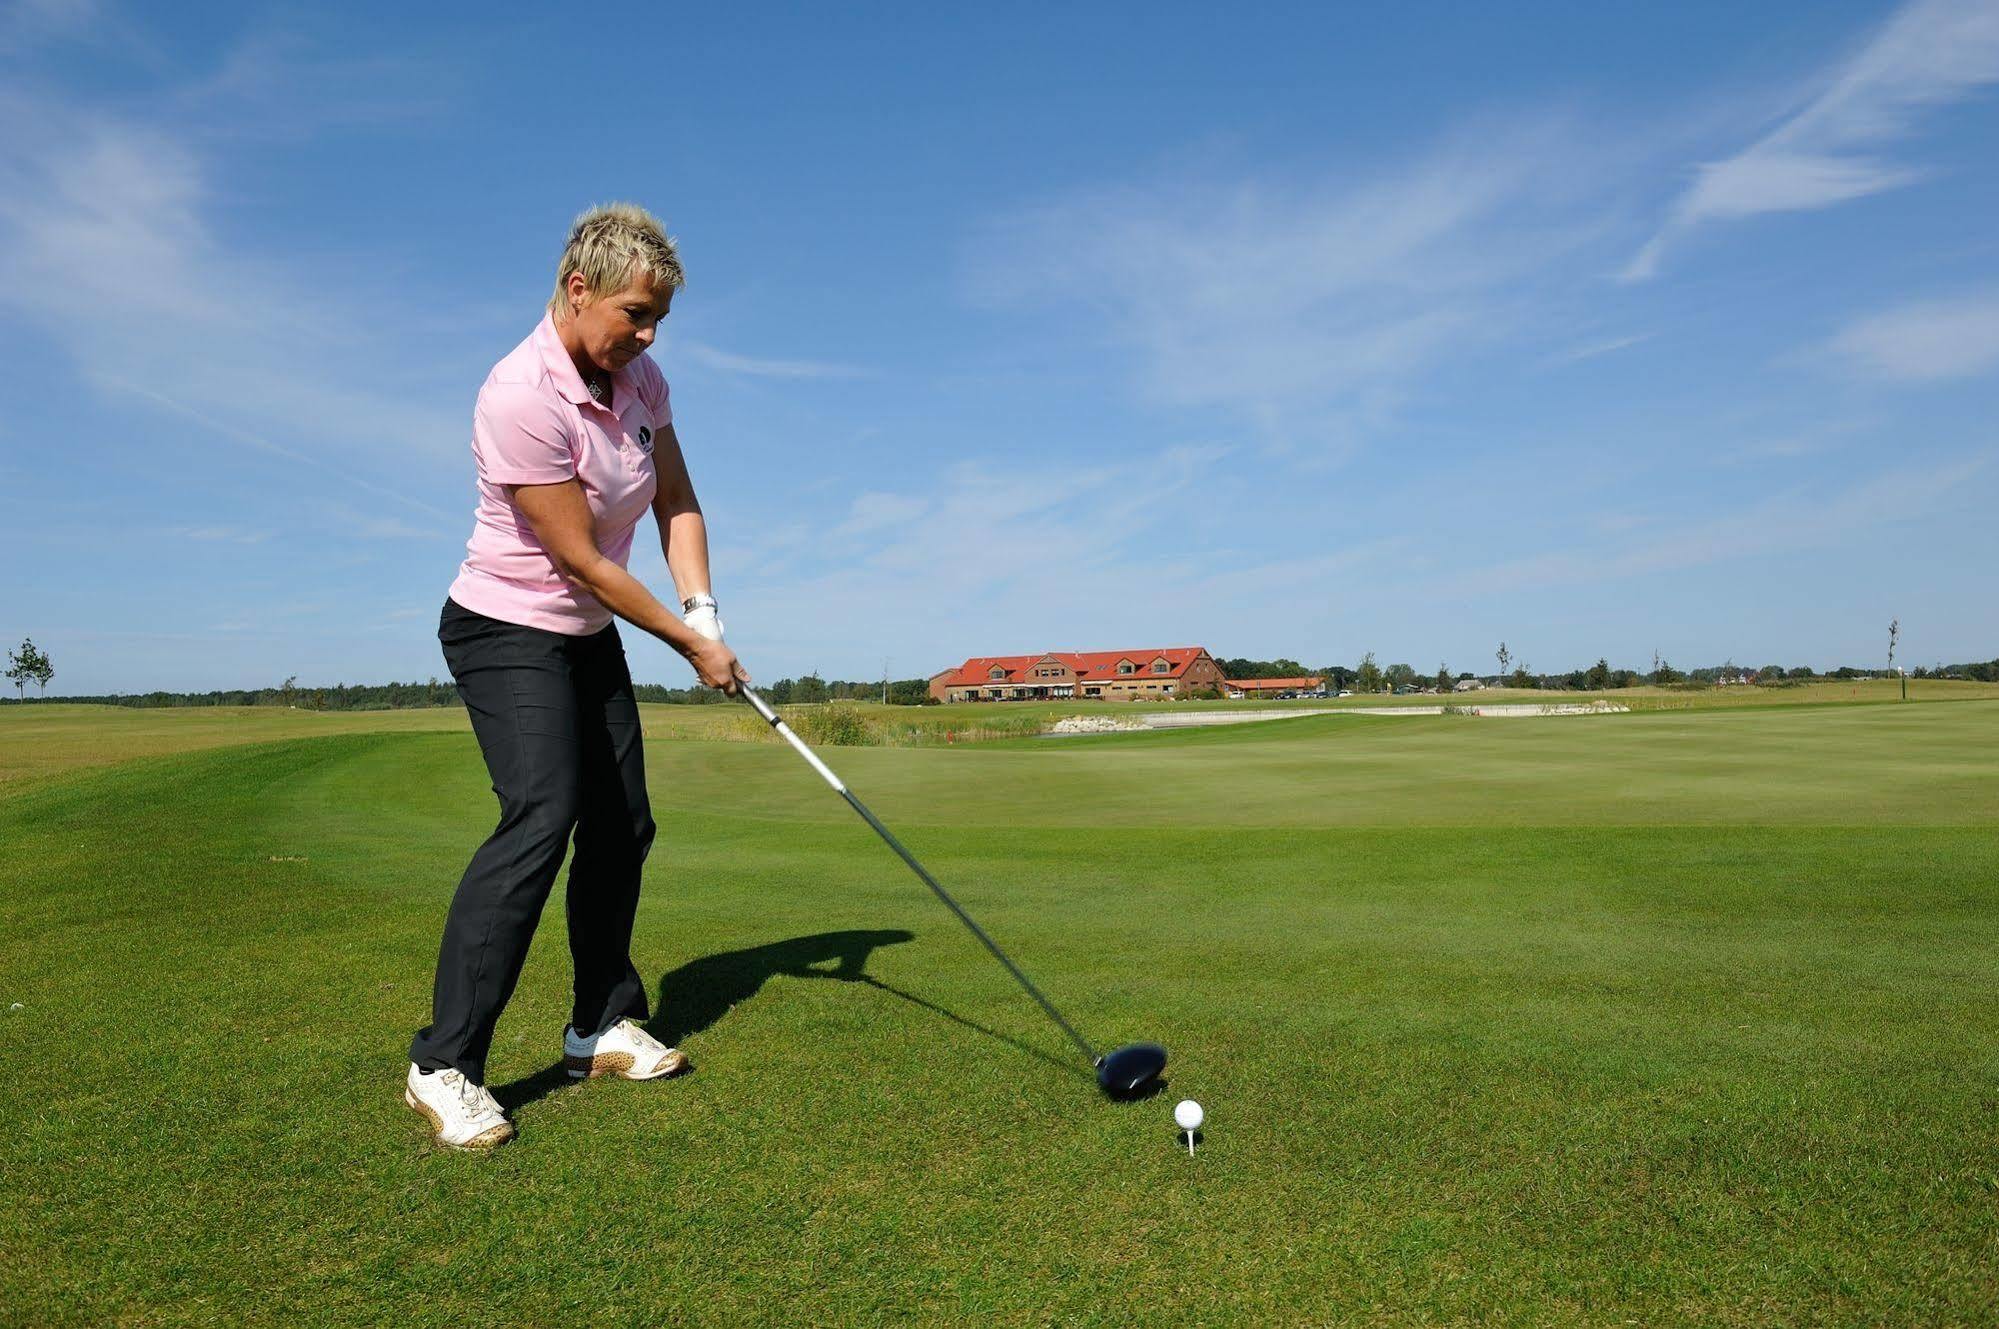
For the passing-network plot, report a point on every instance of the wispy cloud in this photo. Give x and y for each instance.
(125, 207)
(991, 555)
(252, 439)
(1931, 53)
(729, 362)
(1591, 350)
(1779, 524)
(26, 22)
(220, 534)
(1934, 339)
(877, 511)
(1310, 310)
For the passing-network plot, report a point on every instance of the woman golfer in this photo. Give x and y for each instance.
(574, 444)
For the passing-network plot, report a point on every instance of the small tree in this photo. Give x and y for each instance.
(1505, 657)
(1894, 630)
(1663, 673)
(1521, 677)
(1367, 678)
(1446, 680)
(29, 665)
(18, 672)
(1598, 676)
(1399, 675)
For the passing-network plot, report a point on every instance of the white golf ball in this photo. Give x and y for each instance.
(1187, 1115)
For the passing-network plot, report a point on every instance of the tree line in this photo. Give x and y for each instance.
(31, 665)
(435, 692)
(1372, 676)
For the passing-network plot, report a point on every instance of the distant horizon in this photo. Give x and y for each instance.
(1422, 671)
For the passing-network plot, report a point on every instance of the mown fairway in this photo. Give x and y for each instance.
(1666, 1017)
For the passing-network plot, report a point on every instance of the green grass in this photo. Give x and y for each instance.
(1662, 1017)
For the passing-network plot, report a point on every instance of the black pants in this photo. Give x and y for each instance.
(559, 728)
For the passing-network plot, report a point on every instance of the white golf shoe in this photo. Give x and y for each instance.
(624, 1050)
(463, 1115)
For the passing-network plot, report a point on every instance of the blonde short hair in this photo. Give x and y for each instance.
(610, 245)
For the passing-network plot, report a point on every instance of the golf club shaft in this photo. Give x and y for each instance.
(776, 722)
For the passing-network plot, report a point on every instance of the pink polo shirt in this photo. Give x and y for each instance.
(535, 424)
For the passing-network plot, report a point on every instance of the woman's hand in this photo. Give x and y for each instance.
(717, 667)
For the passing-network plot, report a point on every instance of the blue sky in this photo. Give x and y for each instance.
(1308, 331)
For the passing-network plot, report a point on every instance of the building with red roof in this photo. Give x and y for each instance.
(1147, 675)
(1264, 687)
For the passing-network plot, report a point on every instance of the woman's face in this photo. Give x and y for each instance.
(614, 330)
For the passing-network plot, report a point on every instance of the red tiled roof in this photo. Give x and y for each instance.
(1089, 666)
(1273, 684)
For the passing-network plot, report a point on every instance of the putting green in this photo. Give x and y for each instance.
(1662, 1017)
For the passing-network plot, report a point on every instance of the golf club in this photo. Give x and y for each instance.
(1124, 1072)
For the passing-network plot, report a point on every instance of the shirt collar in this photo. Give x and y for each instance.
(562, 370)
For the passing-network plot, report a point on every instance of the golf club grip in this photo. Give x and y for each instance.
(772, 718)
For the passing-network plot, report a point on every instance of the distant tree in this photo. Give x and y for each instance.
(1367, 678)
(1338, 676)
(29, 665)
(1521, 678)
(1625, 678)
(288, 690)
(1598, 675)
(20, 667)
(1399, 675)
(1894, 631)
(809, 688)
(1770, 674)
(1663, 673)
(1241, 667)
(1802, 671)
(1505, 657)
(1446, 680)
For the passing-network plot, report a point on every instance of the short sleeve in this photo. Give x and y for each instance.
(521, 437)
(653, 392)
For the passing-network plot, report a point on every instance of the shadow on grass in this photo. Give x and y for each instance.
(699, 993)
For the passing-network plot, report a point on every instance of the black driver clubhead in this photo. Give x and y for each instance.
(1132, 1070)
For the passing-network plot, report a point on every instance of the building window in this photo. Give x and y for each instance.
(1127, 667)
(996, 673)
(1161, 667)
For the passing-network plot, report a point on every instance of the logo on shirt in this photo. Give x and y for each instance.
(645, 439)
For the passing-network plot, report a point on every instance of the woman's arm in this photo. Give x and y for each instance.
(683, 531)
(561, 519)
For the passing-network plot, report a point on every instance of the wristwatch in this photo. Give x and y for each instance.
(699, 600)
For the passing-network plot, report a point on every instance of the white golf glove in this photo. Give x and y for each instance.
(703, 616)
